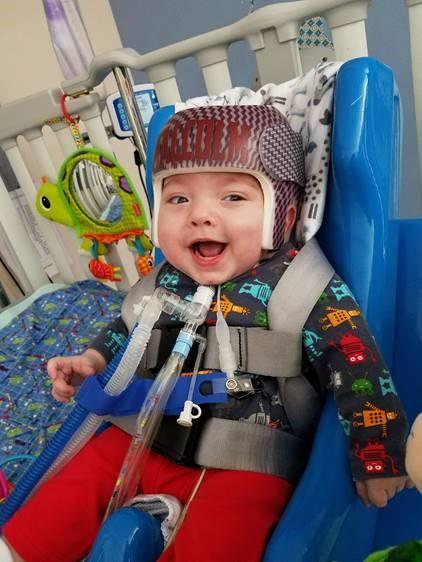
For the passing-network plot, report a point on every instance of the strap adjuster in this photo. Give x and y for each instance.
(240, 386)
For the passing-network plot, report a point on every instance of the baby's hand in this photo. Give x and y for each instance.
(378, 491)
(67, 372)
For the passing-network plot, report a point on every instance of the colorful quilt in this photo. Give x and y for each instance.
(59, 323)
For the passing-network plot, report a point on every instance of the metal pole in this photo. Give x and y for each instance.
(125, 85)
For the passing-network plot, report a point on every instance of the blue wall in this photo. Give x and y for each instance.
(146, 25)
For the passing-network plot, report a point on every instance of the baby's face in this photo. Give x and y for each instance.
(210, 224)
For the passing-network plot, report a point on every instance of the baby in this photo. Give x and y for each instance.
(227, 186)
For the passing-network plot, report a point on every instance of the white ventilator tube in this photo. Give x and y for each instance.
(5, 553)
(228, 363)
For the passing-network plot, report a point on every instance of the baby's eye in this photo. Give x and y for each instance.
(177, 199)
(234, 197)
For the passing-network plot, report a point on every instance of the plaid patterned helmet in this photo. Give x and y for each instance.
(252, 139)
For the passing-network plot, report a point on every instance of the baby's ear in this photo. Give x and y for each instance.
(414, 453)
(290, 221)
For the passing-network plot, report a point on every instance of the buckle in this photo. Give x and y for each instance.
(240, 386)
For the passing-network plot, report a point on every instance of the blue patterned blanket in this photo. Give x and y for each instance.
(59, 323)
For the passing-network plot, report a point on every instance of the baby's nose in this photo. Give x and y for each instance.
(201, 215)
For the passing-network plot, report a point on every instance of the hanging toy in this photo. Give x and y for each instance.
(95, 196)
(145, 262)
(100, 268)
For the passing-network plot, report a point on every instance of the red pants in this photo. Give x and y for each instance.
(229, 519)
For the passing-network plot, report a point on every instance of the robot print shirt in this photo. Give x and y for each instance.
(339, 353)
(343, 352)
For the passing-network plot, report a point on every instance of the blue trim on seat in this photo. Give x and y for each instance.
(158, 120)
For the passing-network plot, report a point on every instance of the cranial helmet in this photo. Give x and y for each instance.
(252, 139)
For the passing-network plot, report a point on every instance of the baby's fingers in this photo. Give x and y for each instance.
(363, 493)
(58, 367)
(81, 366)
(62, 390)
(379, 497)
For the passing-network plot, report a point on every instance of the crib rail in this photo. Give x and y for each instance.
(271, 33)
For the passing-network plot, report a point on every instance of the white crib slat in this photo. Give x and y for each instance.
(167, 92)
(64, 138)
(213, 63)
(50, 237)
(163, 76)
(217, 78)
(20, 242)
(44, 160)
(95, 129)
(277, 53)
(348, 31)
(350, 41)
(415, 25)
(75, 271)
(310, 57)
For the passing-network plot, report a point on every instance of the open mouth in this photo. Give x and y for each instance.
(208, 249)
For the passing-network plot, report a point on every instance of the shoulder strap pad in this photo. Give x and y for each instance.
(307, 276)
(290, 305)
(143, 288)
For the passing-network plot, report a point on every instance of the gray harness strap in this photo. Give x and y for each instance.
(290, 306)
(237, 445)
(143, 288)
(247, 446)
(295, 296)
(257, 350)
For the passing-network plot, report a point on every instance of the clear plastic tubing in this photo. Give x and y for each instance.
(155, 403)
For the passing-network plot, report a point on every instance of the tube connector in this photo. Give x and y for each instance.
(190, 412)
(201, 303)
(195, 310)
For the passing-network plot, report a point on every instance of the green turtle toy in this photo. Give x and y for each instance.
(96, 197)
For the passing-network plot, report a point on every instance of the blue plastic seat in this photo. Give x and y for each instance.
(374, 253)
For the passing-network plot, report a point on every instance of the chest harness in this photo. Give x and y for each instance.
(275, 352)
